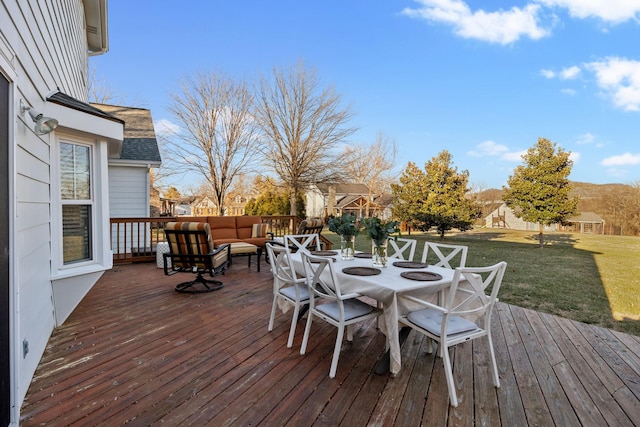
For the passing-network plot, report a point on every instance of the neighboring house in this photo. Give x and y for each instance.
(322, 200)
(236, 204)
(204, 207)
(360, 206)
(129, 174)
(504, 217)
(586, 223)
(54, 199)
(385, 201)
(129, 170)
(182, 210)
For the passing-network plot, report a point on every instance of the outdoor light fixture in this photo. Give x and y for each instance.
(43, 125)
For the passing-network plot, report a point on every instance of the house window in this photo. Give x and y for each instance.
(77, 202)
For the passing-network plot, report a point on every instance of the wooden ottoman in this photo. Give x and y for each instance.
(246, 249)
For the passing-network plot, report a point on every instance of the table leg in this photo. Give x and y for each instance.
(302, 311)
(384, 364)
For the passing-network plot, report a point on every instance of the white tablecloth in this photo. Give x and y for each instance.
(385, 288)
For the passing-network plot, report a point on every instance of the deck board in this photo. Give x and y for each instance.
(135, 352)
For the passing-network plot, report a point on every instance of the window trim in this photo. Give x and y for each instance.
(101, 255)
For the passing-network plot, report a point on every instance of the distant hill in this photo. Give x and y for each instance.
(585, 190)
(597, 198)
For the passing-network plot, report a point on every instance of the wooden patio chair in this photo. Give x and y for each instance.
(191, 251)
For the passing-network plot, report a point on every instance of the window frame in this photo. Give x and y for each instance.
(90, 202)
(101, 255)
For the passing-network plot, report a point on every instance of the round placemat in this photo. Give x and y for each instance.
(363, 255)
(324, 253)
(410, 264)
(361, 271)
(423, 276)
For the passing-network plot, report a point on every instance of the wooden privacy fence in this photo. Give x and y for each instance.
(136, 239)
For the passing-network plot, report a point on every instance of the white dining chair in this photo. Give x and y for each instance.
(402, 248)
(465, 316)
(444, 255)
(286, 285)
(308, 242)
(338, 309)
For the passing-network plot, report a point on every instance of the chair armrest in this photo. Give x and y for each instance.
(425, 304)
(277, 241)
(224, 246)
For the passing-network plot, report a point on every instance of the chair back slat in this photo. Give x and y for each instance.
(402, 248)
(467, 296)
(321, 277)
(307, 242)
(189, 244)
(281, 266)
(444, 255)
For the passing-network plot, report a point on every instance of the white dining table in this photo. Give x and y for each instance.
(385, 288)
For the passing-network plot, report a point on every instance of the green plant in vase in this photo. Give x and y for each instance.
(347, 227)
(379, 232)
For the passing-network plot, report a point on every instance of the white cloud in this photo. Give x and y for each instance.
(625, 159)
(493, 149)
(550, 74)
(568, 91)
(514, 156)
(612, 11)
(166, 128)
(586, 138)
(570, 73)
(619, 78)
(574, 157)
(502, 27)
(488, 148)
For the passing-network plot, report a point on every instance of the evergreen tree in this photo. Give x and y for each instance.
(435, 197)
(538, 191)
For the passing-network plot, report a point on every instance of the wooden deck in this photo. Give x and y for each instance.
(135, 352)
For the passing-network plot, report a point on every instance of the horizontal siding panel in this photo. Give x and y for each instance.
(31, 240)
(31, 191)
(128, 192)
(32, 214)
(31, 143)
(31, 166)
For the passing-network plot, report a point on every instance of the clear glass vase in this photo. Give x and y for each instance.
(347, 247)
(379, 253)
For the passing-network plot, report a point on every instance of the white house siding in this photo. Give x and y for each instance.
(315, 203)
(128, 192)
(511, 221)
(128, 198)
(42, 47)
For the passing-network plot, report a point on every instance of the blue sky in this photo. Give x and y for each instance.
(482, 79)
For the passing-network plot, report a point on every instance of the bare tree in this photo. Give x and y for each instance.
(372, 164)
(98, 90)
(219, 139)
(302, 125)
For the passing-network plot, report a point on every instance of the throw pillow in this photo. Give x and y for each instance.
(259, 230)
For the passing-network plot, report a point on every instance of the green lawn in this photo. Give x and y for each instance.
(590, 278)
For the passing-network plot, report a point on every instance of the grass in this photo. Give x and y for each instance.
(589, 278)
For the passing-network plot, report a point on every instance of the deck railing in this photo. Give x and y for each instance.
(136, 239)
